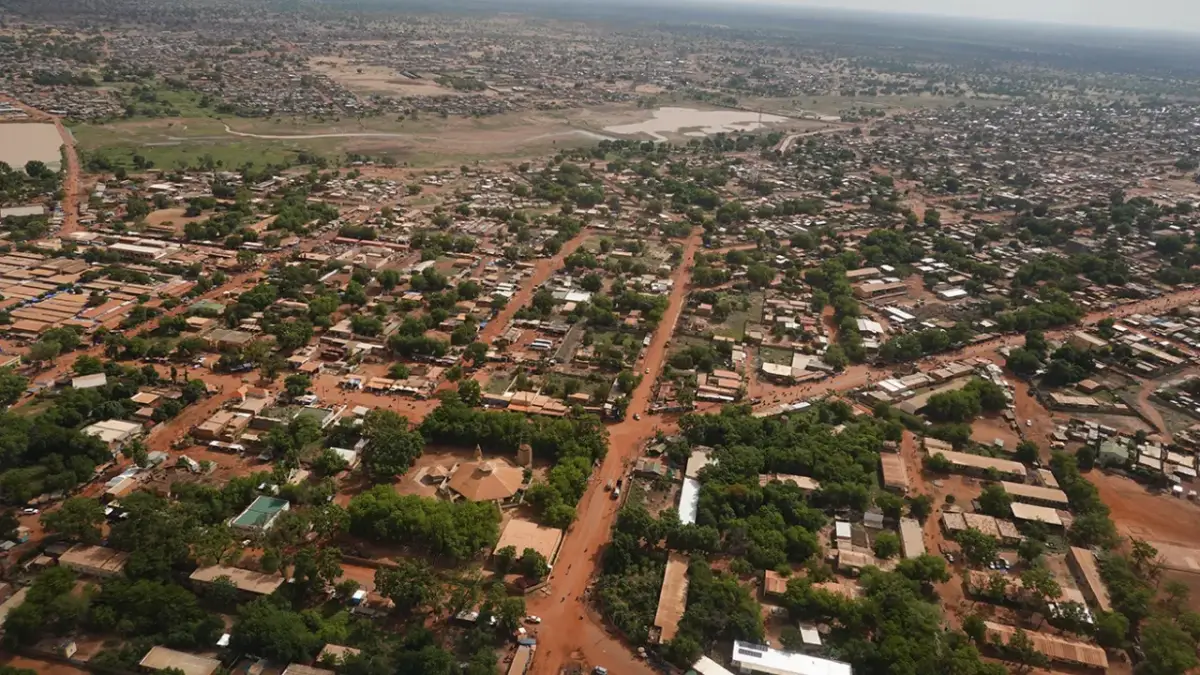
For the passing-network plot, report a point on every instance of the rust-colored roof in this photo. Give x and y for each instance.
(1058, 649)
(487, 480)
(672, 600)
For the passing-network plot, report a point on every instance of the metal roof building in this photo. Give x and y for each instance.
(689, 499)
(261, 513)
(754, 658)
(1056, 648)
(672, 600)
(1036, 494)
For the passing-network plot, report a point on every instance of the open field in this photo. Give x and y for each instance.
(1137, 512)
(375, 79)
(428, 140)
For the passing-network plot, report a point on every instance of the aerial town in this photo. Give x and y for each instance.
(341, 340)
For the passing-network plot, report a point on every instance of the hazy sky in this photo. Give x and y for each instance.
(1178, 15)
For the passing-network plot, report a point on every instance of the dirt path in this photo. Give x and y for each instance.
(571, 632)
(40, 667)
(830, 323)
(1027, 407)
(306, 137)
(542, 270)
(1148, 409)
(70, 201)
(787, 143)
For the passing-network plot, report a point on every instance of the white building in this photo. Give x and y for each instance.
(752, 658)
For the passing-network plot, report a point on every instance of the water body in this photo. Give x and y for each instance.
(21, 142)
(697, 123)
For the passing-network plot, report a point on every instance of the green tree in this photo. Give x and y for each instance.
(12, 386)
(1168, 648)
(410, 585)
(504, 559)
(920, 506)
(925, 569)
(78, 519)
(297, 384)
(1020, 648)
(470, 393)
(329, 463)
(533, 564)
(887, 545)
(1039, 581)
(1030, 549)
(267, 627)
(391, 446)
(476, 353)
(1027, 452)
(1023, 362)
(44, 350)
(760, 275)
(978, 548)
(995, 501)
(1111, 629)
(975, 627)
(87, 365)
(835, 357)
(938, 463)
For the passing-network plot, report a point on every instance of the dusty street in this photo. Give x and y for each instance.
(573, 632)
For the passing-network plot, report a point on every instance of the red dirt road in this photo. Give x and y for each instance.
(40, 667)
(542, 270)
(571, 632)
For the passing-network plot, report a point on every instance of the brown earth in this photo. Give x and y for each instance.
(1141, 514)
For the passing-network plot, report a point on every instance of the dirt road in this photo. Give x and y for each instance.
(571, 632)
(857, 376)
(70, 202)
(1148, 409)
(542, 270)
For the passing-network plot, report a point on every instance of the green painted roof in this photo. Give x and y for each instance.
(260, 512)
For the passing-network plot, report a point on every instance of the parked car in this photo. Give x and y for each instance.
(533, 618)
(600, 670)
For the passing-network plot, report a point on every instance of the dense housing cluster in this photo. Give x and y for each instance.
(339, 342)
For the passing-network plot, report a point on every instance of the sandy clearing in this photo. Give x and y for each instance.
(375, 78)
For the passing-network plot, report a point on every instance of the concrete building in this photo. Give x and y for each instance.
(114, 433)
(522, 534)
(94, 561)
(161, 658)
(247, 581)
(752, 658)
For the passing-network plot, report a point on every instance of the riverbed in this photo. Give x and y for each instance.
(695, 123)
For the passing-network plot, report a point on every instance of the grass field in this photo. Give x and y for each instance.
(780, 357)
(428, 141)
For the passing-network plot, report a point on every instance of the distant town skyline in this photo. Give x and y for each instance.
(1170, 15)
